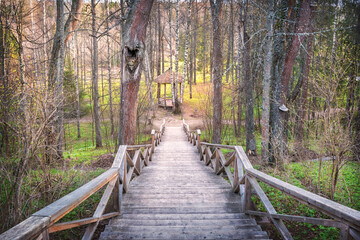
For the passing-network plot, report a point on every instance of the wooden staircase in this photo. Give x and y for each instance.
(174, 190)
(177, 197)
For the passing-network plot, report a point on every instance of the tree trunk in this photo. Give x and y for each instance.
(195, 31)
(158, 63)
(96, 106)
(268, 61)
(186, 51)
(230, 42)
(204, 42)
(134, 34)
(59, 80)
(303, 23)
(299, 133)
(76, 72)
(170, 45)
(109, 70)
(176, 91)
(70, 24)
(248, 86)
(34, 47)
(217, 70)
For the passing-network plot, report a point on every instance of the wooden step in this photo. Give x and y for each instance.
(178, 197)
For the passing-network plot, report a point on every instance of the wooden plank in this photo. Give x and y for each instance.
(136, 147)
(76, 223)
(27, 229)
(354, 234)
(208, 156)
(333, 209)
(129, 160)
(316, 221)
(217, 145)
(67, 203)
(89, 232)
(119, 156)
(227, 169)
(284, 232)
(146, 156)
(226, 164)
(244, 159)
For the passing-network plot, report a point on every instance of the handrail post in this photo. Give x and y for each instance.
(198, 140)
(152, 140)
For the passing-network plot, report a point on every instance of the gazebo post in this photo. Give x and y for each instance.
(158, 92)
(165, 95)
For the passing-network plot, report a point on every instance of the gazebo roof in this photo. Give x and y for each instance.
(165, 78)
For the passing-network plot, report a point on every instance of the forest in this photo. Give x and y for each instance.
(79, 78)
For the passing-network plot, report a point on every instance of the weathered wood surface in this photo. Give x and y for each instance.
(177, 197)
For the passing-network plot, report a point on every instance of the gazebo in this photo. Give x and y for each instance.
(164, 79)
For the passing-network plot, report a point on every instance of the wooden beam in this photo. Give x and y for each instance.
(244, 159)
(67, 203)
(284, 232)
(227, 169)
(129, 160)
(27, 229)
(89, 232)
(217, 145)
(226, 164)
(316, 221)
(119, 156)
(77, 223)
(333, 209)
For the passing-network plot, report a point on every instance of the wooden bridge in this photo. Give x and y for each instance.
(164, 192)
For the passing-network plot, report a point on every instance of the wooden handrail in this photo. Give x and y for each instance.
(117, 178)
(245, 178)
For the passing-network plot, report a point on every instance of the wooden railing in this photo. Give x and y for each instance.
(244, 178)
(127, 164)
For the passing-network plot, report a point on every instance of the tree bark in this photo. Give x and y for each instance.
(299, 133)
(204, 42)
(76, 73)
(248, 86)
(134, 34)
(293, 49)
(170, 46)
(194, 42)
(176, 91)
(217, 70)
(268, 61)
(158, 63)
(109, 71)
(59, 97)
(98, 138)
(70, 24)
(186, 50)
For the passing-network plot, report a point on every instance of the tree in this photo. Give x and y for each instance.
(217, 69)
(299, 134)
(96, 106)
(133, 36)
(268, 60)
(177, 105)
(248, 86)
(186, 50)
(171, 62)
(109, 69)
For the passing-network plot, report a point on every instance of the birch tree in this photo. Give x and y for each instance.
(186, 50)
